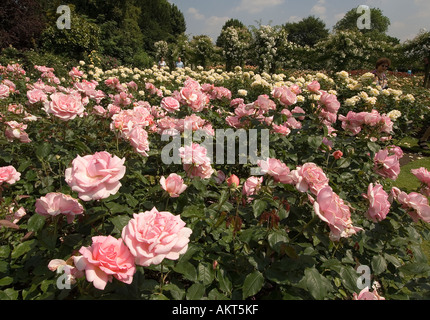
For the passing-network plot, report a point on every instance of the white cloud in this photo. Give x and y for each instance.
(319, 9)
(256, 6)
(196, 14)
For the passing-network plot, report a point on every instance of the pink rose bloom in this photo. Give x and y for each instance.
(194, 154)
(251, 186)
(282, 129)
(309, 177)
(337, 154)
(416, 204)
(365, 294)
(170, 104)
(16, 130)
(314, 86)
(219, 177)
(422, 174)
(95, 176)
(106, 258)
(332, 210)
(9, 175)
(275, 168)
(297, 109)
(36, 95)
(386, 164)
(330, 102)
(65, 106)
(61, 266)
(379, 206)
(153, 236)
(286, 96)
(55, 203)
(4, 91)
(233, 181)
(138, 138)
(19, 214)
(174, 185)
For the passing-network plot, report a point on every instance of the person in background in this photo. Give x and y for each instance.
(179, 63)
(161, 63)
(380, 72)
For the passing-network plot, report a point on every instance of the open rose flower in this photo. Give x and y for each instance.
(251, 186)
(275, 168)
(65, 106)
(173, 184)
(55, 203)
(9, 175)
(379, 206)
(332, 210)
(170, 104)
(416, 205)
(95, 176)
(309, 177)
(16, 130)
(106, 258)
(153, 236)
(422, 174)
(386, 163)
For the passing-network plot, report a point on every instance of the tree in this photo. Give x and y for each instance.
(378, 22)
(22, 22)
(307, 32)
(235, 40)
(202, 50)
(419, 49)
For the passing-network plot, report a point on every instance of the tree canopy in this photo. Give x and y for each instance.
(307, 32)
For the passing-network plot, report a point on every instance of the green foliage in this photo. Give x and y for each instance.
(272, 247)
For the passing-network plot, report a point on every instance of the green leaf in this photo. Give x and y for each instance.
(258, 206)
(317, 285)
(349, 278)
(414, 269)
(195, 292)
(206, 273)
(277, 238)
(187, 269)
(315, 141)
(378, 264)
(23, 248)
(252, 284)
(119, 222)
(36, 222)
(224, 281)
(193, 211)
(374, 147)
(43, 150)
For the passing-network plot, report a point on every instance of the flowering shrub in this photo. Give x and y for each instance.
(90, 192)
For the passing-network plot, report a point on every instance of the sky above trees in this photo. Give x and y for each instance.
(208, 17)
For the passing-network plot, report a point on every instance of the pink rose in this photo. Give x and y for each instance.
(379, 206)
(309, 177)
(332, 210)
(337, 154)
(65, 106)
(365, 294)
(153, 236)
(286, 96)
(174, 185)
(251, 186)
(170, 104)
(386, 164)
(95, 176)
(36, 95)
(416, 204)
(138, 138)
(233, 181)
(275, 168)
(9, 175)
(195, 161)
(106, 258)
(422, 174)
(330, 102)
(16, 130)
(4, 91)
(314, 86)
(55, 203)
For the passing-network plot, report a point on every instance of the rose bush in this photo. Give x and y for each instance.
(100, 198)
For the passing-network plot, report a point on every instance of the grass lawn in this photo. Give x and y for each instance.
(406, 181)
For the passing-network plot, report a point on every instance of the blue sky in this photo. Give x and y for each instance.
(208, 16)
